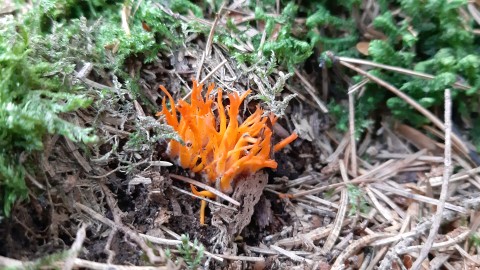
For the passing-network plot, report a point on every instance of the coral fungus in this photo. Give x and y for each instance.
(215, 143)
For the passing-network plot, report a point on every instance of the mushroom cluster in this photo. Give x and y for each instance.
(215, 143)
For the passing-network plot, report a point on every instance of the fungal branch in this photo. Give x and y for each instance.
(215, 143)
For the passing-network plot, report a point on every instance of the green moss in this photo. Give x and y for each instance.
(428, 37)
(34, 93)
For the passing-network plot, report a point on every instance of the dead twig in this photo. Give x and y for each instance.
(411, 102)
(129, 232)
(352, 248)
(313, 235)
(75, 249)
(213, 71)
(205, 199)
(290, 254)
(397, 69)
(342, 210)
(419, 198)
(351, 124)
(207, 76)
(444, 192)
(172, 242)
(206, 187)
(80, 263)
(242, 258)
(132, 234)
(208, 46)
(311, 90)
(338, 224)
(450, 242)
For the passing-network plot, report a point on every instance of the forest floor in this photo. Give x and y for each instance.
(379, 198)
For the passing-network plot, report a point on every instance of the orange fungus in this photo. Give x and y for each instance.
(215, 143)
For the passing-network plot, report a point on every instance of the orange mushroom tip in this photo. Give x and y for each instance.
(279, 146)
(216, 143)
